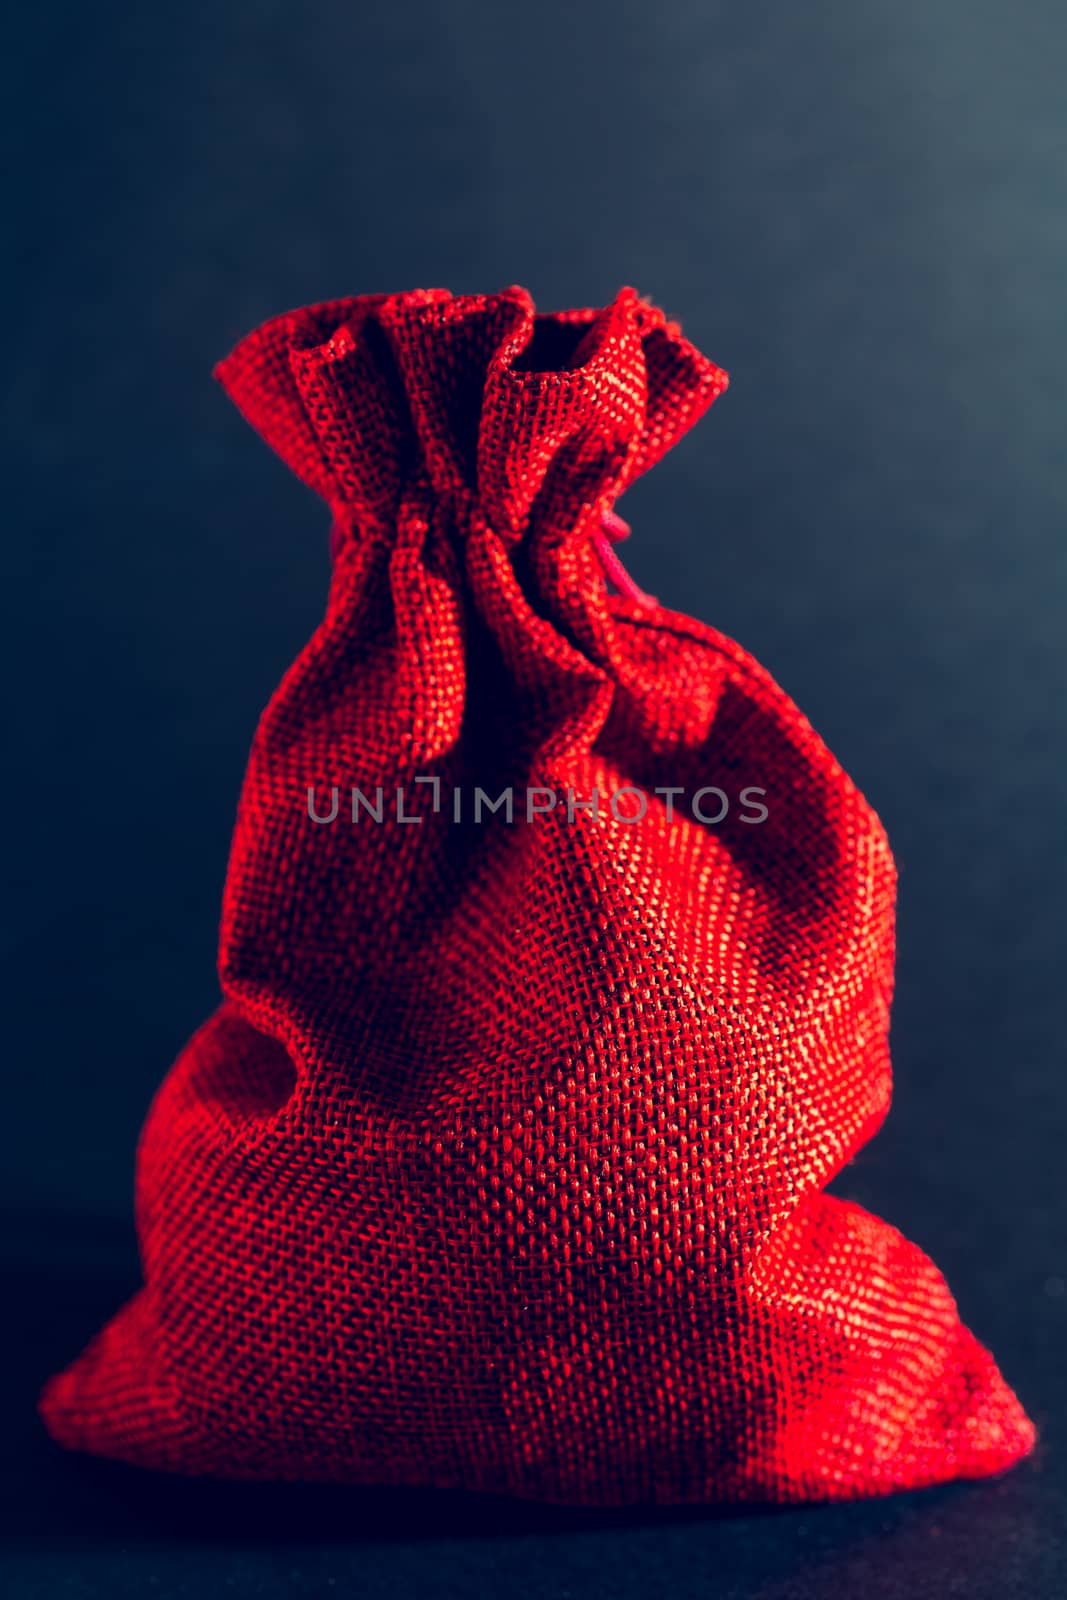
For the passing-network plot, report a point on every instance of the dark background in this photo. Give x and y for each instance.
(859, 209)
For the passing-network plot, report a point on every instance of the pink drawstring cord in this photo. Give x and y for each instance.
(612, 531)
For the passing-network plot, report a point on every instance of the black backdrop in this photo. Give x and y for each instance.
(859, 209)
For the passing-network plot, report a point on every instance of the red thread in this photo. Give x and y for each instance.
(612, 531)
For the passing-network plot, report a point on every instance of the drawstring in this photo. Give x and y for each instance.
(612, 531)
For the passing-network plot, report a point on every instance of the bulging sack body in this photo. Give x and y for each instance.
(501, 1164)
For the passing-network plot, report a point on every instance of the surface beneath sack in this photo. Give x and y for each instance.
(84, 1527)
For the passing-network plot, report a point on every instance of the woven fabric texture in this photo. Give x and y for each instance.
(502, 1163)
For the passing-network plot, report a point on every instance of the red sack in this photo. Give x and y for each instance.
(502, 1162)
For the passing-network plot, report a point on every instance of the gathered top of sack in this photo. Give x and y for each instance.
(532, 421)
